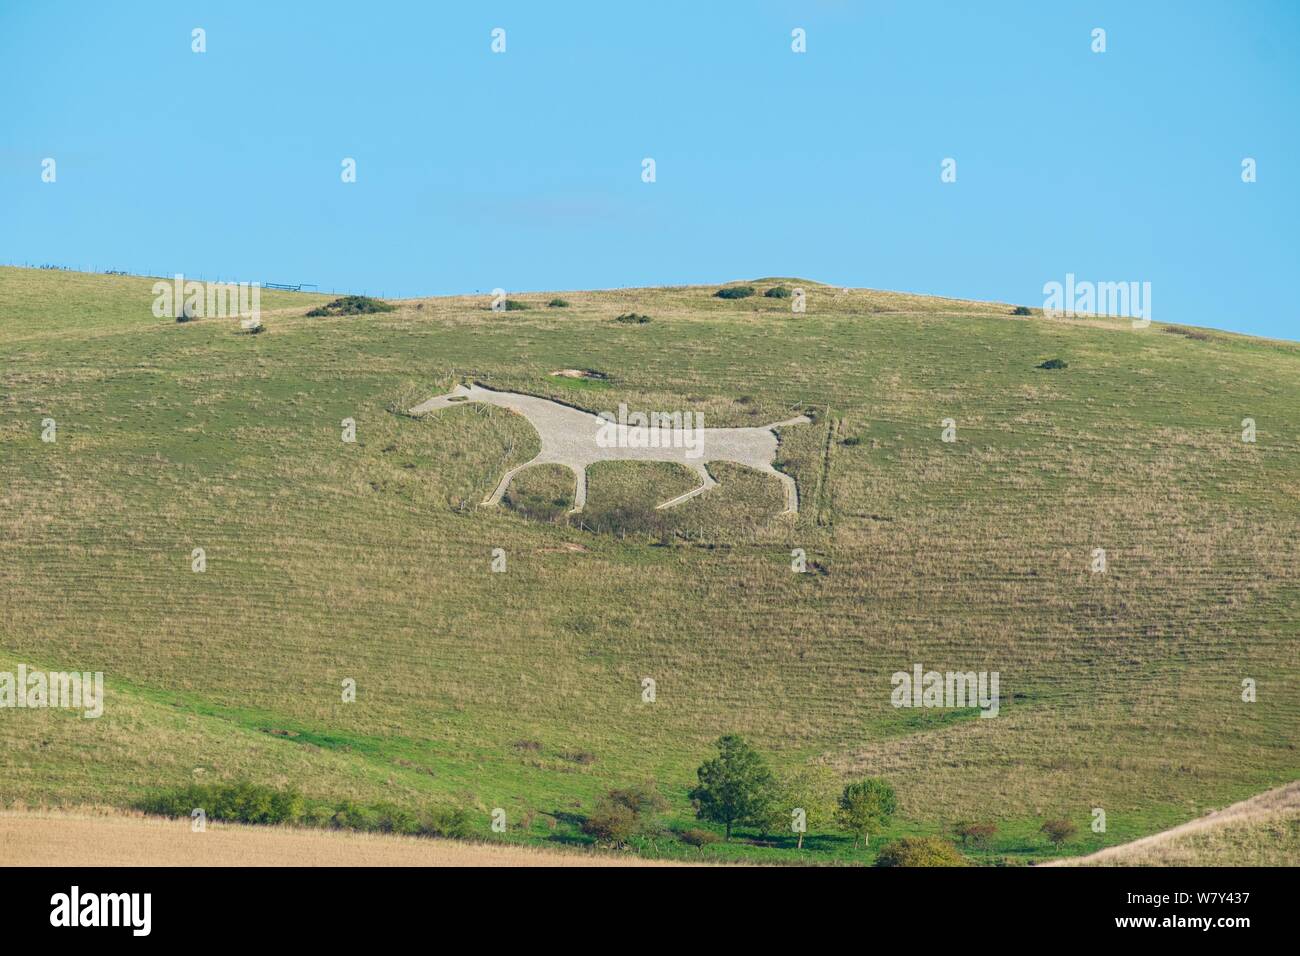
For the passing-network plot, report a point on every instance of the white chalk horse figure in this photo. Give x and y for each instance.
(571, 437)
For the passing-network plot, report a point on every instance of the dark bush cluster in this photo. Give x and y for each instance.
(1188, 333)
(632, 318)
(1021, 310)
(735, 292)
(777, 292)
(390, 818)
(558, 304)
(261, 804)
(1055, 363)
(234, 802)
(351, 305)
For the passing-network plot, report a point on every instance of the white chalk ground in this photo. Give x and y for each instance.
(570, 438)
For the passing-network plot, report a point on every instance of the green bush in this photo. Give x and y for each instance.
(632, 318)
(447, 822)
(735, 292)
(920, 851)
(558, 304)
(351, 305)
(1021, 310)
(256, 803)
(233, 802)
(777, 292)
(1055, 363)
(514, 305)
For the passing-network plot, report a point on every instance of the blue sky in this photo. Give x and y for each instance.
(523, 170)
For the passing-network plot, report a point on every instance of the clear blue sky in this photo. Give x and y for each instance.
(523, 170)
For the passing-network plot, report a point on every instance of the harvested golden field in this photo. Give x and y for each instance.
(109, 839)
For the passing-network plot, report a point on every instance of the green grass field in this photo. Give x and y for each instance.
(522, 690)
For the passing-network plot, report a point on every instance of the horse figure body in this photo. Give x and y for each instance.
(576, 439)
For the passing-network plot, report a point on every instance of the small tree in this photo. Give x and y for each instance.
(625, 812)
(866, 806)
(976, 834)
(1058, 831)
(734, 787)
(812, 789)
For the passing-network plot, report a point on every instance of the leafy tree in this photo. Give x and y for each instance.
(735, 787)
(866, 806)
(1058, 831)
(812, 789)
(920, 851)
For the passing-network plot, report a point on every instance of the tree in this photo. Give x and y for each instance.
(920, 851)
(812, 789)
(978, 834)
(734, 787)
(1058, 831)
(866, 806)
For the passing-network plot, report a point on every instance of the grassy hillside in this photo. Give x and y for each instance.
(1261, 831)
(522, 690)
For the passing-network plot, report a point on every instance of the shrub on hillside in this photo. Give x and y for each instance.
(1189, 333)
(514, 305)
(1055, 363)
(610, 823)
(777, 292)
(446, 822)
(920, 851)
(558, 304)
(351, 305)
(699, 837)
(260, 804)
(1021, 310)
(735, 292)
(625, 812)
(632, 318)
(1058, 831)
(977, 834)
(233, 802)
